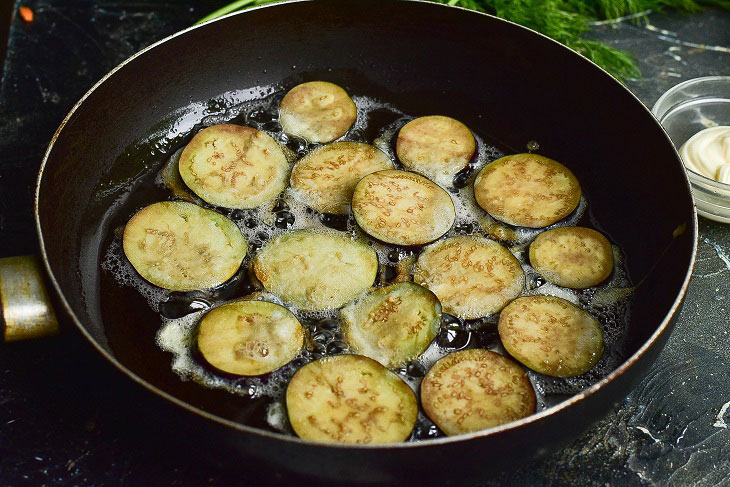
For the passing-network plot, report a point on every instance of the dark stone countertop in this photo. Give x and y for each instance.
(69, 418)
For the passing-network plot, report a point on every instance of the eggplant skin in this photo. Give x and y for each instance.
(472, 276)
(527, 190)
(392, 325)
(574, 257)
(325, 178)
(233, 166)
(476, 389)
(551, 335)
(350, 399)
(402, 208)
(249, 337)
(180, 246)
(316, 270)
(436, 146)
(317, 111)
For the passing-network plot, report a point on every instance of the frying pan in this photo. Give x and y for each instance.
(500, 79)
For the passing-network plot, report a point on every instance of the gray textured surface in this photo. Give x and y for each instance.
(67, 418)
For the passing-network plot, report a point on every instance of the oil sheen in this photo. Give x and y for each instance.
(164, 323)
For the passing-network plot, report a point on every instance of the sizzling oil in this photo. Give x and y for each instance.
(165, 322)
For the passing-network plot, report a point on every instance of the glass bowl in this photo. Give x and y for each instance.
(684, 110)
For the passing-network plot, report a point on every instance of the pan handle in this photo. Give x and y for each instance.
(25, 306)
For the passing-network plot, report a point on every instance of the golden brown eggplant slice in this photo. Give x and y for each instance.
(472, 276)
(402, 208)
(436, 146)
(527, 190)
(551, 335)
(317, 111)
(476, 389)
(350, 399)
(574, 257)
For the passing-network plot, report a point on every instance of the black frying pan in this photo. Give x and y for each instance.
(498, 78)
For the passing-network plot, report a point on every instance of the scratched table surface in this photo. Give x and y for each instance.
(69, 418)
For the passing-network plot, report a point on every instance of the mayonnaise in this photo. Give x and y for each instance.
(708, 153)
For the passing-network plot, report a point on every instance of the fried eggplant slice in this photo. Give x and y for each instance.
(574, 257)
(472, 276)
(316, 271)
(436, 146)
(393, 324)
(402, 208)
(317, 111)
(325, 178)
(476, 389)
(170, 175)
(350, 399)
(527, 190)
(551, 335)
(249, 337)
(234, 166)
(182, 247)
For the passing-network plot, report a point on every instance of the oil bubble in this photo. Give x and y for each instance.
(453, 339)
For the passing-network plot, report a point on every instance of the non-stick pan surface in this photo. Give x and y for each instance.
(500, 79)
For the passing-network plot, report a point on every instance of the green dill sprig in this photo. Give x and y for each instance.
(566, 21)
(232, 7)
(620, 64)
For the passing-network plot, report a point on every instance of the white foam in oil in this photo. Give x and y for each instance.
(178, 336)
(115, 263)
(606, 302)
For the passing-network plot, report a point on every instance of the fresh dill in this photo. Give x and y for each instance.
(232, 7)
(566, 21)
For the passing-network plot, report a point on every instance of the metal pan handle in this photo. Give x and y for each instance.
(25, 305)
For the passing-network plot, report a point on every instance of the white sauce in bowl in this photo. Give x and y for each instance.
(708, 153)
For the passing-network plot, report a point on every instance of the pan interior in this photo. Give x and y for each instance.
(501, 80)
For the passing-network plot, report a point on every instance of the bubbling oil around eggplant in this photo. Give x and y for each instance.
(170, 319)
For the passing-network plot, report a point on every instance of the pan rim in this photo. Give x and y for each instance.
(659, 331)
